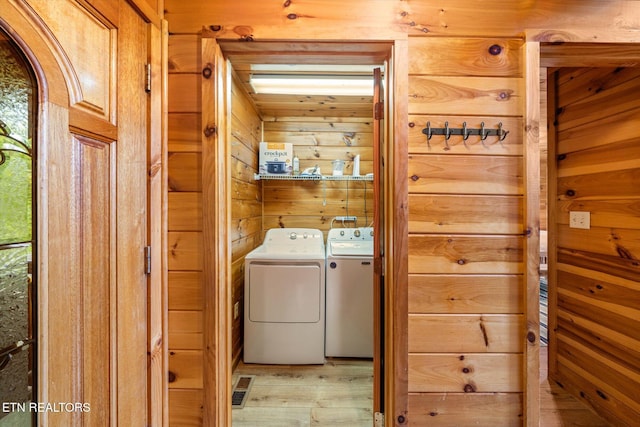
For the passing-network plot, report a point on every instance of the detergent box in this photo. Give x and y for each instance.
(275, 158)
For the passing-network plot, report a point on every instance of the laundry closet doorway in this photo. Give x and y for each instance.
(220, 78)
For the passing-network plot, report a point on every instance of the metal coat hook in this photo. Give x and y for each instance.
(483, 134)
(428, 131)
(502, 134)
(465, 132)
(447, 135)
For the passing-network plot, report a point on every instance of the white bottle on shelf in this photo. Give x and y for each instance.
(296, 165)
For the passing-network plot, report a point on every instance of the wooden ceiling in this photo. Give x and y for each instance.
(295, 58)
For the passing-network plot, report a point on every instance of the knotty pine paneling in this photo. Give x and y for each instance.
(184, 211)
(319, 141)
(464, 333)
(465, 57)
(597, 288)
(186, 367)
(246, 199)
(454, 174)
(184, 132)
(465, 95)
(465, 373)
(185, 172)
(465, 294)
(186, 407)
(452, 409)
(185, 246)
(466, 250)
(436, 213)
(185, 290)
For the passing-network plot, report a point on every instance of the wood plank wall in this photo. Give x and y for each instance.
(319, 141)
(185, 232)
(466, 290)
(597, 339)
(246, 199)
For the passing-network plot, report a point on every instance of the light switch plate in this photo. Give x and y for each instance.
(580, 219)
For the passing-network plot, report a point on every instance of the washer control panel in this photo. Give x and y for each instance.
(349, 234)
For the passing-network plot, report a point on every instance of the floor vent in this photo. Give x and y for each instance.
(241, 391)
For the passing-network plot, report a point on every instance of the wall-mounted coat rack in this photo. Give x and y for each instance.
(465, 132)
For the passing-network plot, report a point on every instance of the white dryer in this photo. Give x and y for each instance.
(284, 300)
(349, 292)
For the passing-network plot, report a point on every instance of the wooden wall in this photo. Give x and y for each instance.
(465, 234)
(246, 199)
(466, 204)
(185, 259)
(319, 141)
(597, 289)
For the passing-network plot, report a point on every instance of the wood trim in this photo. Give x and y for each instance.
(216, 219)
(147, 12)
(531, 175)
(378, 297)
(396, 240)
(552, 220)
(157, 231)
(85, 124)
(588, 35)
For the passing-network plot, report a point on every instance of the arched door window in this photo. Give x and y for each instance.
(18, 104)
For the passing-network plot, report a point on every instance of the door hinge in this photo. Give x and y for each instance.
(147, 260)
(378, 110)
(147, 85)
(378, 420)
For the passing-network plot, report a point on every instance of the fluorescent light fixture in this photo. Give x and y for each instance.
(283, 84)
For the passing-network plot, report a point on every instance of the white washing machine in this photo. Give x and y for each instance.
(284, 300)
(349, 292)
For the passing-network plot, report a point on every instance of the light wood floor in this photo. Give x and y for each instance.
(558, 408)
(339, 393)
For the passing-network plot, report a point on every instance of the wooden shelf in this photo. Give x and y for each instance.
(265, 177)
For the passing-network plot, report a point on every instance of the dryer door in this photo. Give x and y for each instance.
(285, 293)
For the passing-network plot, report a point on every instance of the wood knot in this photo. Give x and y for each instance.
(207, 72)
(292, 16)
(414, 178)
(468, 388)
(209, 131)
(495, 49)
(461, 357)
(171, 377)
(466, 370)
(462, 262)
(570, 193)
(531, 337)
(433, 414)
(411, 124)
(287, 3)
(215, 27)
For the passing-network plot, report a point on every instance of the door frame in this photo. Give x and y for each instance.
(216, 84)
(554, 49)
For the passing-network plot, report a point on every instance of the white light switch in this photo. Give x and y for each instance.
(579, 219)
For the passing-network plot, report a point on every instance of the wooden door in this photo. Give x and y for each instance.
(155, 254)
(131, 217)
(378, 244)
(92, 205)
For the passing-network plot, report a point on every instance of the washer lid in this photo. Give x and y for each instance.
(352, 248)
